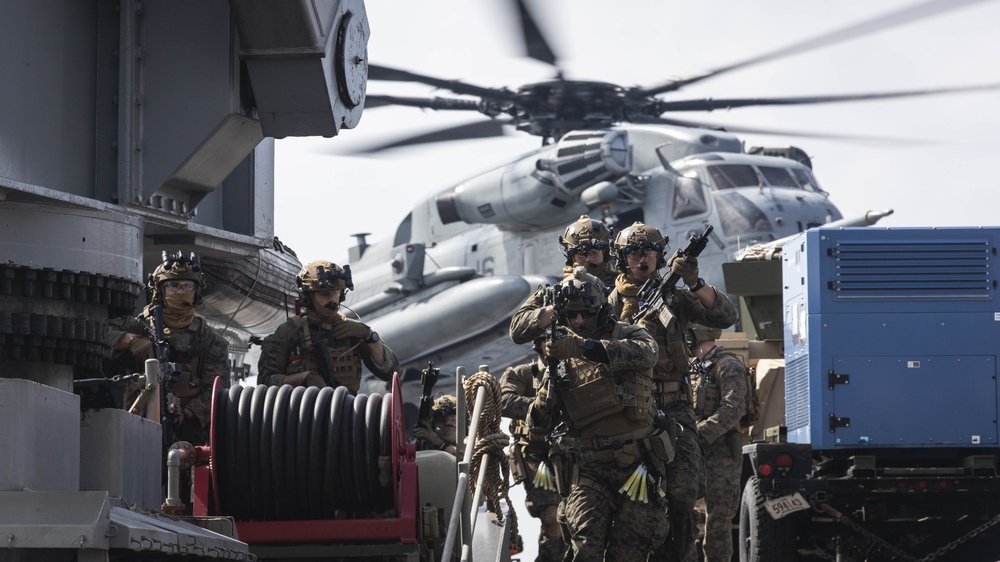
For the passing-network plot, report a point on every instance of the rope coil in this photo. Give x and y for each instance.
(491, 441)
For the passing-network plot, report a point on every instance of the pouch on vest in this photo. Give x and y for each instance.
(517, 464)
(642, 387)
(627, 455)
(664, 439)
(708, 397)
(593, 400)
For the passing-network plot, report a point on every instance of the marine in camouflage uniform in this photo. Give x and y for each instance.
(600, 388)
(587, 243)
(201, 353)
(530, 452)
(439, 433)
(720, 402)
(321, 347)
(640, 251)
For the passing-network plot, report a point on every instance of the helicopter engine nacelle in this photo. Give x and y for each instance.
(543, 190)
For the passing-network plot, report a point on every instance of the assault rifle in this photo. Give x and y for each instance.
(554, 296)
(654, 291)
(554, 376)
(322, 351)
(169, 372)
(428, 378)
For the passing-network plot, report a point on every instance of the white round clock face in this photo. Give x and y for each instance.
(352, 60)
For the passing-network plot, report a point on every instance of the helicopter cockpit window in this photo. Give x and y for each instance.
(739, 216)
(779, 177)
(728, 176)
(806, 180)
(689, 197)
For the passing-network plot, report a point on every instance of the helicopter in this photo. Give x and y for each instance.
(465, 258)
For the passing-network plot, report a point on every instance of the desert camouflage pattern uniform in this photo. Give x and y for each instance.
(613, 440)
(198, 346)
(288, 351)
(723, 388)
(672, 394)
(518, 387)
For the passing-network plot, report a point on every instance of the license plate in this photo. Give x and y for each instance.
(786, 505)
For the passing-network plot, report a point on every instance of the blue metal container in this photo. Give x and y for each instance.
(891, 337)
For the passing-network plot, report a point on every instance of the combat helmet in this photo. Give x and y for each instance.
(177, 267)
(445, 405)
(697, 333)
(584, 235)
(322, 275)
(639, 238)
(582, 293)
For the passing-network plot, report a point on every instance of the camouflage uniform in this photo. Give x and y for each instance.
(290, 349)
(206, 355)
(720, 403)
(518, 387)
(604, 398)
(200, 351)
(583, 235)
(433, 434)
(672, 393)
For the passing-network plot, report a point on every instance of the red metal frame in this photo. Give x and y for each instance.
(405, 528)
(201, 480)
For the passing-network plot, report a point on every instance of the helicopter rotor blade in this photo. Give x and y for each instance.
(378, 72)
(476, 130)
(891, 19)
(713, 104)
(378, 100)
(775, 132)
(534, 41)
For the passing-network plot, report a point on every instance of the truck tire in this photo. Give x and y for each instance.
(763, 538)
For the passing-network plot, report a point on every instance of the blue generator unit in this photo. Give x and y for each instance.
(891, 338)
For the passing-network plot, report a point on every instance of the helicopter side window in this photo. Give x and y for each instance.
(779, 177)
(689, 197)
(728, 176)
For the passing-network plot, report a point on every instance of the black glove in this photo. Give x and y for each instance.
(350, 329)
(686, 267)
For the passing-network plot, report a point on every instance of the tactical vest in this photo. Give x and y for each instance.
(185, 348)
(345, 358)
(598, 403)
(519, 428)
(708, 396)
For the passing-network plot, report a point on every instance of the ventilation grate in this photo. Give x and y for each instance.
(955, 269)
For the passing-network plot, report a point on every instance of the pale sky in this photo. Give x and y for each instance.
(322, 198)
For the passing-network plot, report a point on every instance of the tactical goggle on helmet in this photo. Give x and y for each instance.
(177, 267)
(445, 406)
(323, 275)
(640, 238)
(581, 294)
(584, 235)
